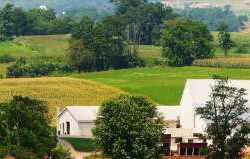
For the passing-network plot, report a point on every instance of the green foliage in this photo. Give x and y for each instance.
(44, 22)
(225, 41)
(96, 14)
(80, 57)
(136, 135)
(227, 113)
(81, 144)
(7, 58)
(100, 46)
(16, 22)
(214, 16)
(144, 22)
(124, 5)
(22, 69)
(6, 23)
(60, 153)
(25, 130)
(183, 41)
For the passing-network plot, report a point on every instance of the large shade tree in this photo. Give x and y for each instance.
(226, 111)
(183, 41)
(25, 130)
(128, 127)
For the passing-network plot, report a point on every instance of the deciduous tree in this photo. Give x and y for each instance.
(25, 130)
(226, 111)
(225, 41)
(129, 127)
(183, 41)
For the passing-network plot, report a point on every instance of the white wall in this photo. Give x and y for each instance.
(67, 117)
(187, 110)
(86, 129)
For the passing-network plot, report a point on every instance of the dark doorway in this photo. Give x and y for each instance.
(68, 128)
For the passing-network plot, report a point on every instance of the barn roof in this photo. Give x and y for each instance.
(82, 113)
(200, 89)
(89, 113)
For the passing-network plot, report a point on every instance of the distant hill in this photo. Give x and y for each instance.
(60, 5)
(239, 6)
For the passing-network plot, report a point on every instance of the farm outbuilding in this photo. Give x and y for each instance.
(77, 121)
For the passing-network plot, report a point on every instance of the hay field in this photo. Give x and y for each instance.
(57, 91)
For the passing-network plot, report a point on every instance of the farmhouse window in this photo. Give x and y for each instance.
(63, 129)
(68, 128)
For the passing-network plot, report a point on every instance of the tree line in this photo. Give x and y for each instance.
(18, 22)
(112, 42)
(216, 15)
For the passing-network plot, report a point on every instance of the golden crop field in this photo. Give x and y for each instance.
(57, 91)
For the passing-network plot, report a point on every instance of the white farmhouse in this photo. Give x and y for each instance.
(183, 126)
(77, 121)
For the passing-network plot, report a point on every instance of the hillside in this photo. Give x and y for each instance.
(52, 49)
(237, 5)
(58, 92)
(162, 84)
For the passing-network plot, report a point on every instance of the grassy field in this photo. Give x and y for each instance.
(151, 54)
(82, 145)
(58, 92)
(37, 48)
(163, 85)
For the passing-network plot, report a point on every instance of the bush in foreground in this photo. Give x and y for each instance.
(129, 127)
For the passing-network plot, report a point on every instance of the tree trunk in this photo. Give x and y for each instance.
(226, 51)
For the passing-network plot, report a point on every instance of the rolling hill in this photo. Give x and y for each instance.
(57, 91)
(164, 85)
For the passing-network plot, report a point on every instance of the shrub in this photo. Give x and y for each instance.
(22, 69)
(60, 153)
(7, 59)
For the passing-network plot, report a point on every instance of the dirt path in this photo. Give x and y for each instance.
(75, 154)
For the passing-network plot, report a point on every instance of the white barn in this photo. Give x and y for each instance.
(182, 121)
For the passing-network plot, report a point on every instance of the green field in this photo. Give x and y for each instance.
(81, 144)
(36, 49)
(162, 84)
